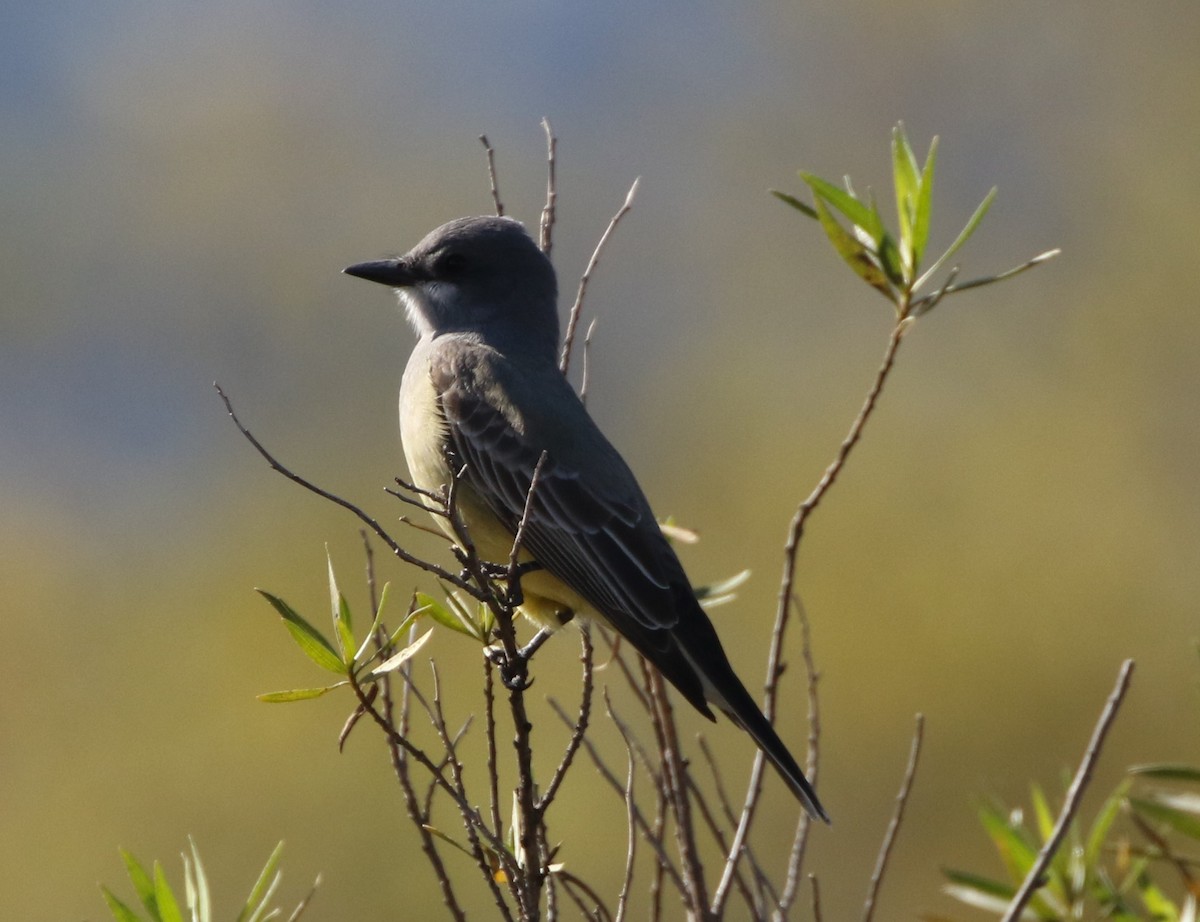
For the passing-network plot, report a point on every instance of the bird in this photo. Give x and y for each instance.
(483, 400)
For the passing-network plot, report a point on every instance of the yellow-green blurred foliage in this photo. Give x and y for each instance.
(179, 188)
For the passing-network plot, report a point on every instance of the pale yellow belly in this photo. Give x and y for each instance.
(548, 601)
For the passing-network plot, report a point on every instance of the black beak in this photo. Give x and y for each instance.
(391, 272)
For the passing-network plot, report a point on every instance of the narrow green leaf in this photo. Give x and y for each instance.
(340, 609)
(366, 642)
(1185, 823)
(980, 883)
(892, 262)
(906, 179)
(962, 237)
(298, 694)
(392, 663)
(263, 886)
(723, 586)
(1041, 813)
(1098, 834)
(920, 231)
(855, 255)
(977, 899)
(487, 621)
(1167, 771)
(453, 620)
(1155, 901)
(1016, 851)
(142, 884)
(854, 210)
(203, 895)
(309, 639)
(409, 620)
(119, 910)
(190, 893)
(795, 203)
(168, 908)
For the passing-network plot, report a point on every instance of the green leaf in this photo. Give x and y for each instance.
(1016, 851)
(119, 910)
(906, 178)
(309, 639)
(457, 620)
(1182, 822)
(394, 662)
(980, 883)
(203, 901)
(962, 238)
(298, 694)
(893, 264)
(340, 609)
(1098, 834)
(141, 881)
(795, 203)
(856, 256)
(383, 598)
(920, 231)
(1041, 812)
(1167, 771)
(261, 891)
(168, 908)
(858, 213)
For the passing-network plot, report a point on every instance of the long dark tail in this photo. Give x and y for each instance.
(699, 644)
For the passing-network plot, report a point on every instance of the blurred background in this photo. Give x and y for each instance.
(180, 186)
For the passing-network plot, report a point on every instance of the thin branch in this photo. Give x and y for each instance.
(675, 780)
(816, 898)
(923, 305)
(514, 585)
(1036, 876)
(440, 572)
(655, 842)
(546, 235)
(577, 308)
(889, 839)
(791, 887)
(400, 767)
(570, 881)
(587, 658)
(587, 349)
(787, 583)
(419, 755)
(630, 820)
(491, 171)
(489, 699)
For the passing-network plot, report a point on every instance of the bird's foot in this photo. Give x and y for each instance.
(514, 671)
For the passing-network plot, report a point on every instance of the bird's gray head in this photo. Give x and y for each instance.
(483, 275)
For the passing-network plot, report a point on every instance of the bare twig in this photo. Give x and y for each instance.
(546, 235)
(491, 170)
(587, 349)
(663, 860)
(1036, 876)
(816, 898)
(925, 304)
(630, 820)
(675, 782)
(791, 887)
(489, 701)
(440, 572)
(587, 658)
(889, 839)
(564, 361)
(514, 594)
(787, 586)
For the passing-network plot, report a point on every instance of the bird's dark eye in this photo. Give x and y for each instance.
(450, 264)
